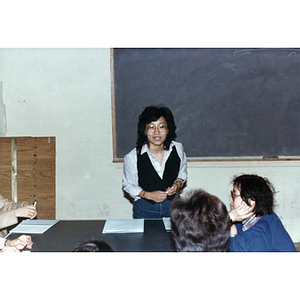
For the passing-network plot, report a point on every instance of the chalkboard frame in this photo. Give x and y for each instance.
(117, 159)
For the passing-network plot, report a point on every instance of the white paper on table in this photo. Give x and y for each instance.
(34, 226)
(167, 223)
(123, 226)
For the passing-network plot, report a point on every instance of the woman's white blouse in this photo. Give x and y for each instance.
(130, 173)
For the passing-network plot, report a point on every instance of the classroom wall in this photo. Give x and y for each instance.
(66, 93)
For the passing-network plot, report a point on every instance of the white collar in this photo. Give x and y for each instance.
(146, 149)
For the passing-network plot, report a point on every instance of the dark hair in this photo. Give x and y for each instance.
(93, 246)
(150, 114)
(258, 189)
(200, 222)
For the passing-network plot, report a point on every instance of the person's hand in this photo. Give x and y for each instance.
(9, 249)
(173, 189)
(22, 242)
(28, 211)
(241, 213)
(233, 231)
(156, 196)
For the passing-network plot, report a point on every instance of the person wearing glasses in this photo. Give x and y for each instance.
(262, 231)
(156, 169)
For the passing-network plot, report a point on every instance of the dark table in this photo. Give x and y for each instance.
(65, 235)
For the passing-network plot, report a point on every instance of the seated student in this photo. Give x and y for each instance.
(16, 245)
(200, 222)
(10, 211)
(263, 231)
(93, 246)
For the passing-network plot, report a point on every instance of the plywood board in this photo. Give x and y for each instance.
(35, 172)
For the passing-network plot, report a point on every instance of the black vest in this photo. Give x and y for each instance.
(150, 181)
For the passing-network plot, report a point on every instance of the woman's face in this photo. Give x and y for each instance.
(236, 199)
(157, 132)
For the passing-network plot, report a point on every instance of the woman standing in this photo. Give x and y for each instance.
(156, 169)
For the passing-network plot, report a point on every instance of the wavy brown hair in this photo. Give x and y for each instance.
(200, 222)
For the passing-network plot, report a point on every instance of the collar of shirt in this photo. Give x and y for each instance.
(159, 168)
(250, 222)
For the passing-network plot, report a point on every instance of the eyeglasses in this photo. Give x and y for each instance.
(233, 195)
(151, 128)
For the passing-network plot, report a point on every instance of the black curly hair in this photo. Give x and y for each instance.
(258, 189)
(150, 114)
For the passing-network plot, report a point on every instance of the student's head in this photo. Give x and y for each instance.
(253, 190)
(200, 222)
(153, 114)
(93, 246)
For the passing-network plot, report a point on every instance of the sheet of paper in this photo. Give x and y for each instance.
(167, 223)
(34, 226)
(123, 226)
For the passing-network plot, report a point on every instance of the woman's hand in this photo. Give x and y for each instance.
(241, 213)
(9, 249)
(233, 231)
(156, 196)
(28, 211)
(173, 189)
(20, 243)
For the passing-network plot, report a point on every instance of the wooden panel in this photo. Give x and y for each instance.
(5, 167)
(35, 173)
(14, 171)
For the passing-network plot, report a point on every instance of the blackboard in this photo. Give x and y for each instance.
(227, 103)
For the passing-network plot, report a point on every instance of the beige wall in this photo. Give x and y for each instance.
(66, 93)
